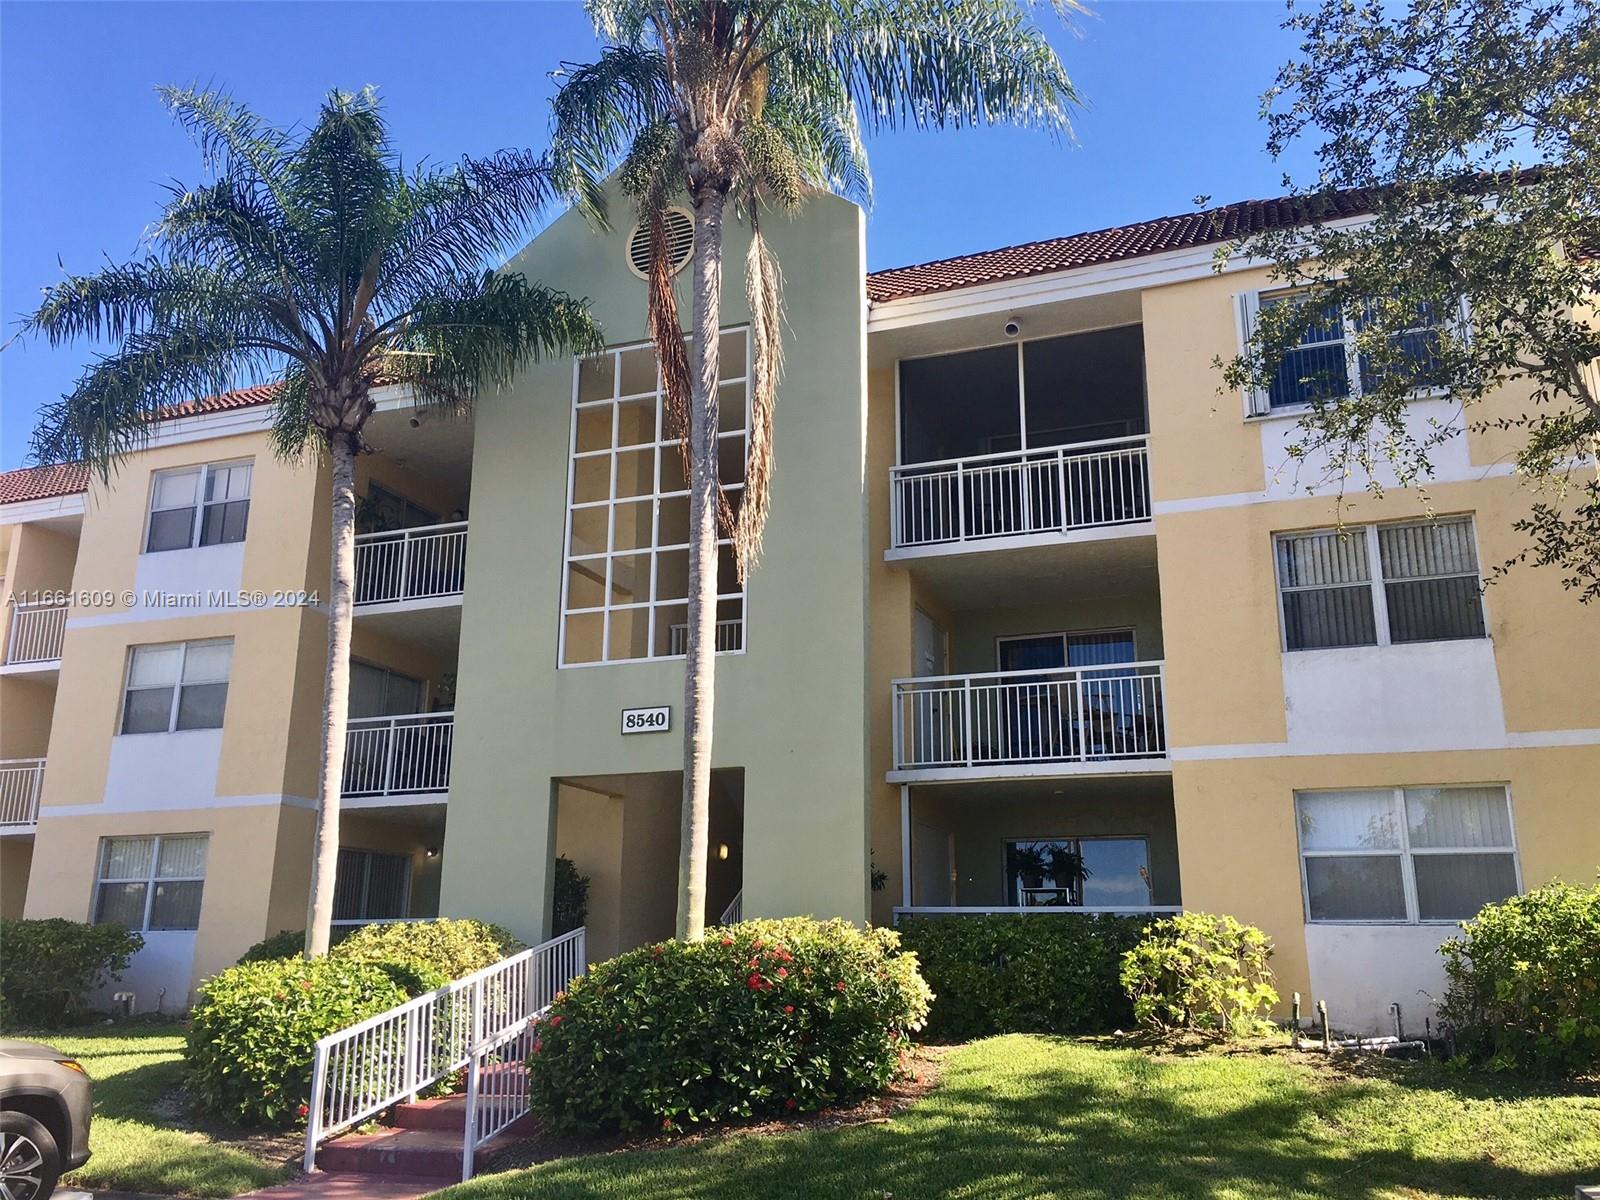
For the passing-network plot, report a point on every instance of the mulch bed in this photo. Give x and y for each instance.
(547, 1145)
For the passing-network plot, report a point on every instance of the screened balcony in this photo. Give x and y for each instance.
(1032, 441)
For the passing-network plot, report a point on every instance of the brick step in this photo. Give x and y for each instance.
(406, 1153)
(445, 1112)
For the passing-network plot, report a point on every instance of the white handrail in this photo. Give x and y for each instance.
(734, 913)
(358, 1072)
(411, 564)
(37, 632)
(997, 718)
(1053, 490)
(401, 755)
(21, 781)
(1081, 910)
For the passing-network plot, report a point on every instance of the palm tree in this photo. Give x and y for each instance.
(755, 103)
(314, 260)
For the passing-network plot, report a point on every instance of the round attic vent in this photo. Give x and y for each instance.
(680, 243)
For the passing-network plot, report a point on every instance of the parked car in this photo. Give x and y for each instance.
(44, 1118)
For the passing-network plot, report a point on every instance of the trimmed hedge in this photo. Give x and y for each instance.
(435, 951)
(758, 1019)
(254, 1028)
(1524, 982)
(49, 967)
(286, 943)
(1024, 972)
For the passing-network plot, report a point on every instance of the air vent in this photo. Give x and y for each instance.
(680, 243)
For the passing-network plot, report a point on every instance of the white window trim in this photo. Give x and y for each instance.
(198, 507)
(149, 878)
(1405, 852)
(177, 687)
(1376, 581)
(1257, 401)
(660, 445)
(1007, 842)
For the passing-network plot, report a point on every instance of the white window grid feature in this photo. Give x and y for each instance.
(1258, 402)
(1404, 851)
(180, 679)
(151, 876)
(602, 564)
(233, 478)
(1375, 579)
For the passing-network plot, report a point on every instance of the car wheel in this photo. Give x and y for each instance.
(30, 1161)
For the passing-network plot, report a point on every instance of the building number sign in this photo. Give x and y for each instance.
(647, 720)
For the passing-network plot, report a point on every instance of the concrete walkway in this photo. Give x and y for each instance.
(318, 1186)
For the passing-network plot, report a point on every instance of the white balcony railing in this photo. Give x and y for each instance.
(1075, 714)
(411, 564)
(37, 631)
(398, 756)
(1081, 486)
(730, 636)
(21, 780)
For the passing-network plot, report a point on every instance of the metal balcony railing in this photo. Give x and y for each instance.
(1056, 490)
(21, 781)
(398, 756)
(37, 631)
(411, 564)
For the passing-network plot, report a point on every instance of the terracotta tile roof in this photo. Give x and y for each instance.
(66, 479)
(41, 483)
(1109, 245)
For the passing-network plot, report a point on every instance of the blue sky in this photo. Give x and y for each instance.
(1172, 88)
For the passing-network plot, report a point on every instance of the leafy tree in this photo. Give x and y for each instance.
(742, 106)
(1468, 129)
(314, 260)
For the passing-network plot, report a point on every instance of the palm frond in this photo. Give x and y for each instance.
(764, 293)
(596, 113)
(236, 228)
(233, 141)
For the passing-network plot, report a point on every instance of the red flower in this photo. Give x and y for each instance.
(791, 1104)
(755, 983)
(305, 985)
(788, 1008)
(666, 1123)
(555, 1020)
(727, 941)
(538, 1045)
(757, 944)
(839, 987)
(281, 996)
(303, 1111)
(783, 972)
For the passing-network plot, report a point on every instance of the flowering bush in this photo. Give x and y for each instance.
(255, 1025)
(1016, 973)
(1524, 982)
(759, 1019)
(1200, 971)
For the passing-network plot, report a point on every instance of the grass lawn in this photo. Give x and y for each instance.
(142, 1138)
(1027, 1117)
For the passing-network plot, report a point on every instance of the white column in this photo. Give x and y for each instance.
(905, 845)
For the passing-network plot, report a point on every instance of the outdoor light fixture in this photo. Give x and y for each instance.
(722, 850)
(431, 852)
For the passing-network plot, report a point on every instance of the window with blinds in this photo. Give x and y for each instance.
(371, 886)
(1405, 855)
(1378, 585)
(151, 883)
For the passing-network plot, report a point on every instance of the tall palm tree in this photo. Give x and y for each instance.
(312, 259)
(754, 103)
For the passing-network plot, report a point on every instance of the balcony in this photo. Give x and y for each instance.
(1035, 494)
(421, 567)
(398, 760)
(1016, 724)
(21, 781)
(37, 631)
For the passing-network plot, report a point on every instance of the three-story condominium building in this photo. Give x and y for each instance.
(1046, 621)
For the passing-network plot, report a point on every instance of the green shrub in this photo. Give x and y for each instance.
(1200, 971)
(254, 1027)
(1524, 982)
(433, 952)
(49, 967)
(762, 1018)
(287, 943)
(1023, 972)
(571, 898)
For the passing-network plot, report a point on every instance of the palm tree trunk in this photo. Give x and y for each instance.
(699, 684)
(336, 695)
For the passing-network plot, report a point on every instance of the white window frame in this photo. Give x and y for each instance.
(662, 445)
(1405, 852)
(177, 688)
(1005, 860)
(197, 525)
(149, 878)
(1258, 401)
(1376, 581)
